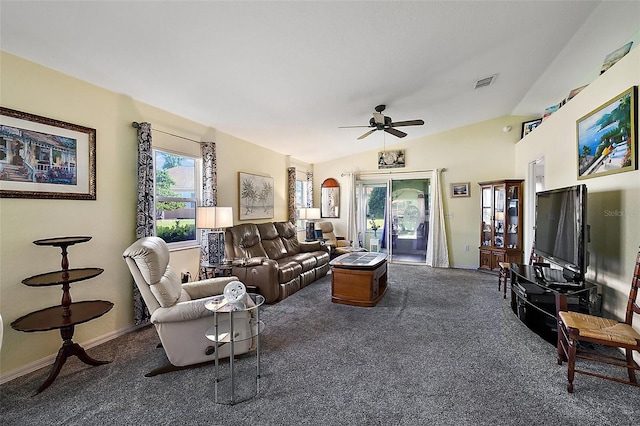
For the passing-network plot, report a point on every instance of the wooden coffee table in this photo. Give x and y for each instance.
(359, 279)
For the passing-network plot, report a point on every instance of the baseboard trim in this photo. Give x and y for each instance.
(44, 362)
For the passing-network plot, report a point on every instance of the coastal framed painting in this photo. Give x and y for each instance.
(460, 190)
(607, 140)
(256, 196)
(45, 158)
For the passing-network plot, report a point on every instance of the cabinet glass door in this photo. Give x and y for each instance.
(487, 216)
(513, 212)
(499, 223)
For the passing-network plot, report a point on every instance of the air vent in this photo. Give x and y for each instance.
(484, 82)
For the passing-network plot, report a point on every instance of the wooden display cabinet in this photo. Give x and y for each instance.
(500, 223)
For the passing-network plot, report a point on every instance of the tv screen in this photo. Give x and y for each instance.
(561, 228)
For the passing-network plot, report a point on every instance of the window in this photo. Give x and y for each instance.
(302, 198)
(176, 198)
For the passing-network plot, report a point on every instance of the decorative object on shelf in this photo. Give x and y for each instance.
(460, 190)
(234, 292)
(256, 196)
(46, 158)
(550, 110)
(309, 214)
(214, 219)
(615, 56)
(574, 92)
(528, 126)
(607, 137)
(391, 159)
(330, 198)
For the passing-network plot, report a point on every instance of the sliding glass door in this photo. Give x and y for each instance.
(393, 216)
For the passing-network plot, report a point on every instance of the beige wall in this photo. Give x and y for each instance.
(614, 236)
(475, 153)
(110, 220)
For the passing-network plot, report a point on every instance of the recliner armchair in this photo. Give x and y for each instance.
(339, 245)
(178, 310)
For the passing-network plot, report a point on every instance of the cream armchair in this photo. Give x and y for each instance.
(178, 310)
(338, 245)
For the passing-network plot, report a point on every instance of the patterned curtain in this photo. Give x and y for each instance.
(309, 189)
(291, 184)
(145, 209)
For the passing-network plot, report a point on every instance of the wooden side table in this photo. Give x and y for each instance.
(66, 315)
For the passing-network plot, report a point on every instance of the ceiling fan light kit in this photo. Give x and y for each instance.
(379, 121)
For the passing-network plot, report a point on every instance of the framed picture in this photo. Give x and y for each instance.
(607, 137)
(45, 158)
(528, 126)
(460, 190)
(391, 159)
(615, 56)
(256, 196)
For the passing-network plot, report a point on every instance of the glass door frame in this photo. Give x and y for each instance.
(387, 180)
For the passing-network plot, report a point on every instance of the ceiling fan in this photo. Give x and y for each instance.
(381, 122)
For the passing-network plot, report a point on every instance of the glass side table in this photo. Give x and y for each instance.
(231, 336)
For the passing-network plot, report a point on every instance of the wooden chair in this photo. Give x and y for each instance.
(505, 267)
(574, 328)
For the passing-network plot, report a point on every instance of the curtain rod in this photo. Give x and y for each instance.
(385, 172)
(136, 125)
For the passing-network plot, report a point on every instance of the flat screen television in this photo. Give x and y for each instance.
(561, 231)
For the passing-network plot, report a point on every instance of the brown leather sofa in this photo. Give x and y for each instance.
(270, 257)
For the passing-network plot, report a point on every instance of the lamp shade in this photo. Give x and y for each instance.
(309, 213)
(214, 217)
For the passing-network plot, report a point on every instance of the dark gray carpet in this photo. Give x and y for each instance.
(442, 348)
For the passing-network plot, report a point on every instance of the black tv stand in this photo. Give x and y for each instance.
(538, 292)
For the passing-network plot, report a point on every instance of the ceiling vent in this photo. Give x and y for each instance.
(484, 82)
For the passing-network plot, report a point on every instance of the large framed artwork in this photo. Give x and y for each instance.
(256, 196)
(607, 137)
(45, 158)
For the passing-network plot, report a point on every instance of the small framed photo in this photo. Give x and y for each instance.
(460, 190)
(615, 56)
(528, 126)
(45, 158)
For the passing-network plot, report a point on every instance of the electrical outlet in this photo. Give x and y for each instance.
(466, 248)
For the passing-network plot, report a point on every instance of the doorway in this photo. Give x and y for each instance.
(393, 216)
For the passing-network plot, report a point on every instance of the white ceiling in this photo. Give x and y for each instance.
(286, 75)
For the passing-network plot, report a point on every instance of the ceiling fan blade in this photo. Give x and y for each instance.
(367, 134)
(408, 123)
(395, 132)
(350, 127)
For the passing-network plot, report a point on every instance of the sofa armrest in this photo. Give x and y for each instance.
(206, 288)
(264, 276)
(308, 246)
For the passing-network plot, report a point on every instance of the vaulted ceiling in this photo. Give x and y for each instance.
(287, 75)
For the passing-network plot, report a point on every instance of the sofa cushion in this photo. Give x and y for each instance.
(288, 270)
(307, 260)
(289, 235)
(321, 257)
(243, 241)
(271, 241)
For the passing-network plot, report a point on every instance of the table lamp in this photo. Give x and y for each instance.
(215, 219)
(309, 214)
